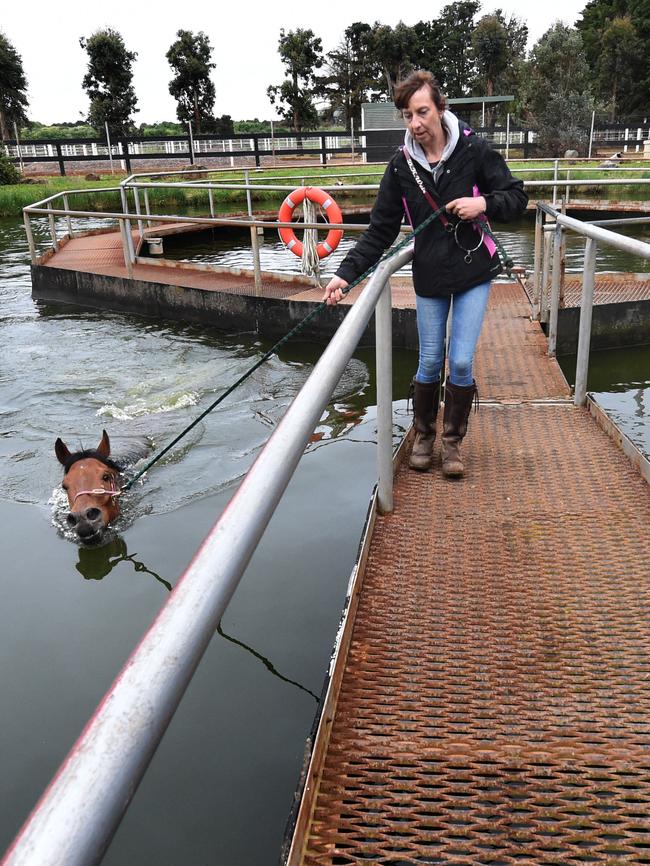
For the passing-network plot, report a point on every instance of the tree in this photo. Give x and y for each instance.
(456, 23)
(395, 50)
(490, 44)
(349, 73)
(556, 91)
(614, 33)
(108, 82)
(190, 58)
(301, 53)
(13, 87)
(621, 56)
(431, 50)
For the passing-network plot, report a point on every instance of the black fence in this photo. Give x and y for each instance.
(257, 149)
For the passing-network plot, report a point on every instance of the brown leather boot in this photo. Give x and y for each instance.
(458, 405)
(426, 397)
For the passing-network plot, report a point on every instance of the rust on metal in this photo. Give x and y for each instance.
(495, 706)
(495, 701)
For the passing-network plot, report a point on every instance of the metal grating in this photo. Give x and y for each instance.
(495, 707)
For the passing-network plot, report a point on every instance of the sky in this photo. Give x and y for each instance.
(244, 37)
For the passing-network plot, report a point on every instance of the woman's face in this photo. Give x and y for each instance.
(422, 118)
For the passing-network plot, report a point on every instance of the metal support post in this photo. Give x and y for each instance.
(126, 249)
(211, 200)
(136, 199)
(507, 136)
(67, 207)
(255, 244)
(555, 290)
(537, 269)
(555, 176)
(546, 264)
(30, 236)
(129, 235)
(55, 242)
(147, 208)
(384, 350)
(584, 333)
(591, 131)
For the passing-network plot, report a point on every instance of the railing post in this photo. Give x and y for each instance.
(555, 290)
(255, 244)
(584, 334)
(256, 145)
(543, 300)
(67, 207)
(55, 242)
(147, 207)
(555, 178)
(129, 236)
(136, 199)
(126, 249)
(384, 364)
(30, 236)
(537, 269)
(211, 200)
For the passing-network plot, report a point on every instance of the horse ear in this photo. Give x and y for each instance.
(104, 447)
(61, 451)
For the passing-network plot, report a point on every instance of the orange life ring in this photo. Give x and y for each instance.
(332, 212)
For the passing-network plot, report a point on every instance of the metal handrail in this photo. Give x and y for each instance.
(76, 817)
(593, 234)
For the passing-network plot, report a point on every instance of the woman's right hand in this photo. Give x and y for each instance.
(334, 291)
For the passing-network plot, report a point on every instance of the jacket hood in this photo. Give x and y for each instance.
(452, 128)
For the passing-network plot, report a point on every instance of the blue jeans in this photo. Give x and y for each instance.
(467, 313)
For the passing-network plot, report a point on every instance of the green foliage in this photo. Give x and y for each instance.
(163, 128)
(396, 51)
(8, 171)
(616, 34)
(108, 82)
(301, 54)
(350, 73)
(456, 22)
(38, 131)
(190, 58)
(491, 50)
(13, 89)
(556, 91)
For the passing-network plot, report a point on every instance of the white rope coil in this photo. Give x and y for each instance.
(310, 263)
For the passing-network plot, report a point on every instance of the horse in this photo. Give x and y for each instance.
(92, 481)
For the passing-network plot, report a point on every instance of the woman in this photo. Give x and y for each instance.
(442, 163)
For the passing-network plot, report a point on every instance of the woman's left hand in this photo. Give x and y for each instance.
(467, 208)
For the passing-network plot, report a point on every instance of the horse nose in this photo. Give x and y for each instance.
(86, 523)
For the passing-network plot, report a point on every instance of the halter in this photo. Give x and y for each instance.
(99, 491)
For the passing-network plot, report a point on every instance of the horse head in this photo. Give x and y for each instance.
(91, 480)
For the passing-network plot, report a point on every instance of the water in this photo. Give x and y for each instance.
(220, 786)
(619, 379)
(231, 759)
(231, 248)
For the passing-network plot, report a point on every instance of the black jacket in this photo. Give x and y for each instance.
(439, 266)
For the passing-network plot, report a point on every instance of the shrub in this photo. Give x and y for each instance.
(8, 171)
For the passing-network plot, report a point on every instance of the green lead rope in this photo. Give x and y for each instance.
(507, 262)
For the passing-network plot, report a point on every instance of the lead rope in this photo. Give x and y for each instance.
(273, 350)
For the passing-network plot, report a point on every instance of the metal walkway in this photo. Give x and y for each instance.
(495, 703)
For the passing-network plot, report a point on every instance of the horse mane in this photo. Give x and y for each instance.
(95, 455)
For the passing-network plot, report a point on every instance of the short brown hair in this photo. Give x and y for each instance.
(414, 82)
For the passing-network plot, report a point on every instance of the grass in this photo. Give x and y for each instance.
(14, 197)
